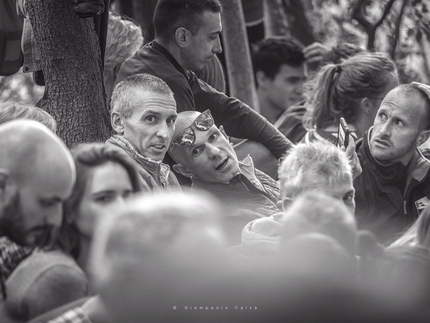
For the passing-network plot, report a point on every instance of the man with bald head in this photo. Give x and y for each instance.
(37, 174)
(203, 154)
(394, 186)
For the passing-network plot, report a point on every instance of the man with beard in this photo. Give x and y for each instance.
(36, 175)
(394, 186)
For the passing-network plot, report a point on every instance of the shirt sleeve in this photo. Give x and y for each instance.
(238, 119)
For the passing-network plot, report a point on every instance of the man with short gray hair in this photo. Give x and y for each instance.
(143, 115)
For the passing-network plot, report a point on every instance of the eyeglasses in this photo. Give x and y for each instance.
(187, 136)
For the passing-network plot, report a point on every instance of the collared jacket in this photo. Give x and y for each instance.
(250, 195)
(389, 198)
(191, 93)
(154, 175)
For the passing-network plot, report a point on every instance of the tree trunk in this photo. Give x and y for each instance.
(72, 68)
(275, 20)
(298, 21)
(238, 58)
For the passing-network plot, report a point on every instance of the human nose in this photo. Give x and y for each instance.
(217, 48)
(385, 130)
(213, 151)
(163, 131)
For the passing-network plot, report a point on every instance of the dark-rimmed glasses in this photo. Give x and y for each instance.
(187, 136)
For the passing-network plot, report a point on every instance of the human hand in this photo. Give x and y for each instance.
(315, 52)
(423, 87)
(352, 157)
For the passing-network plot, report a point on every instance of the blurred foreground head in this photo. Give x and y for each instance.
(37, 174)
(157, 253)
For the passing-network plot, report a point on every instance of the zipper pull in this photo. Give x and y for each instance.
(404, 207)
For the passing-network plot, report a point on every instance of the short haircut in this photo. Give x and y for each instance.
(339, 89)
(306, 161)
(87, 157)
(123, 39)
(411, 92)
(320, 213)
(12, 110)
(272, 53)
(169, 15)
(123, 96)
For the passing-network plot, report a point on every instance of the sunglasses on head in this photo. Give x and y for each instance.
(187, 136)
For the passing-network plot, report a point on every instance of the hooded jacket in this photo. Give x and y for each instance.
(154, 175)
(389, 198)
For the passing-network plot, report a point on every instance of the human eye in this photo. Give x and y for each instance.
(171, 120)
(382, 116)
(127, 194)
(196, 151)
(214, 136)
(47, 203)
(348, 197)
(104, 198)
(150, 118)
(398, 122)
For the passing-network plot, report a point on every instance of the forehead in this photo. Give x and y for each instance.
(144, 100)
(286, 71)
(210, 22)
(109, 176)
(405, 107)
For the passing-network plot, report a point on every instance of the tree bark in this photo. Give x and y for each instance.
(73, 72)
(275, 20)
(238, 58)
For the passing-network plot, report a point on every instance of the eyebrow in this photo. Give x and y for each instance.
(51, 199)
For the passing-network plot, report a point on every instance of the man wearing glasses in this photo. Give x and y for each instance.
(204, 154)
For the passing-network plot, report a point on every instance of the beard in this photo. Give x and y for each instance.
(12, 225)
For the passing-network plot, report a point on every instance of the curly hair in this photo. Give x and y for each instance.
(124, 38)
(338, 89)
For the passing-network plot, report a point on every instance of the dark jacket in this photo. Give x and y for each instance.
(389, 198)
(250, 195)
(238, 119)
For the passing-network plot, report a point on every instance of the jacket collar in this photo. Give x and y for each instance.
(149, 164)
(169, 56)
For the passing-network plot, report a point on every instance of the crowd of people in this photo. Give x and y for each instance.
(168, 220)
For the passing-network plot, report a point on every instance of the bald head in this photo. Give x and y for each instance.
(37, 174)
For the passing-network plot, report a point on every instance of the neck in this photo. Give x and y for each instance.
(82, 260)
(362, 123)
(268, 110)
(173, 49)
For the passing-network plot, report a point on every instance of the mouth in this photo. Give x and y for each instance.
(159, 147)
(381, 142)
(222, 165)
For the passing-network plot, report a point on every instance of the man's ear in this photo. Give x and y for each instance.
(422, 138)
(181, 37)
(182, 170)
(117, 123)
(261, 79)
(221, 129)
(366, 106)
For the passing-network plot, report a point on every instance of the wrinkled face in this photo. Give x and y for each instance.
(396, 128)
(205, 44)
(211, 158)
(151, 124)
(340, 188)
(286, 88)
(108, 186)
(35, 209)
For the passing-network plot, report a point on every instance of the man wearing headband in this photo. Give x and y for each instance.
(204, 154)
